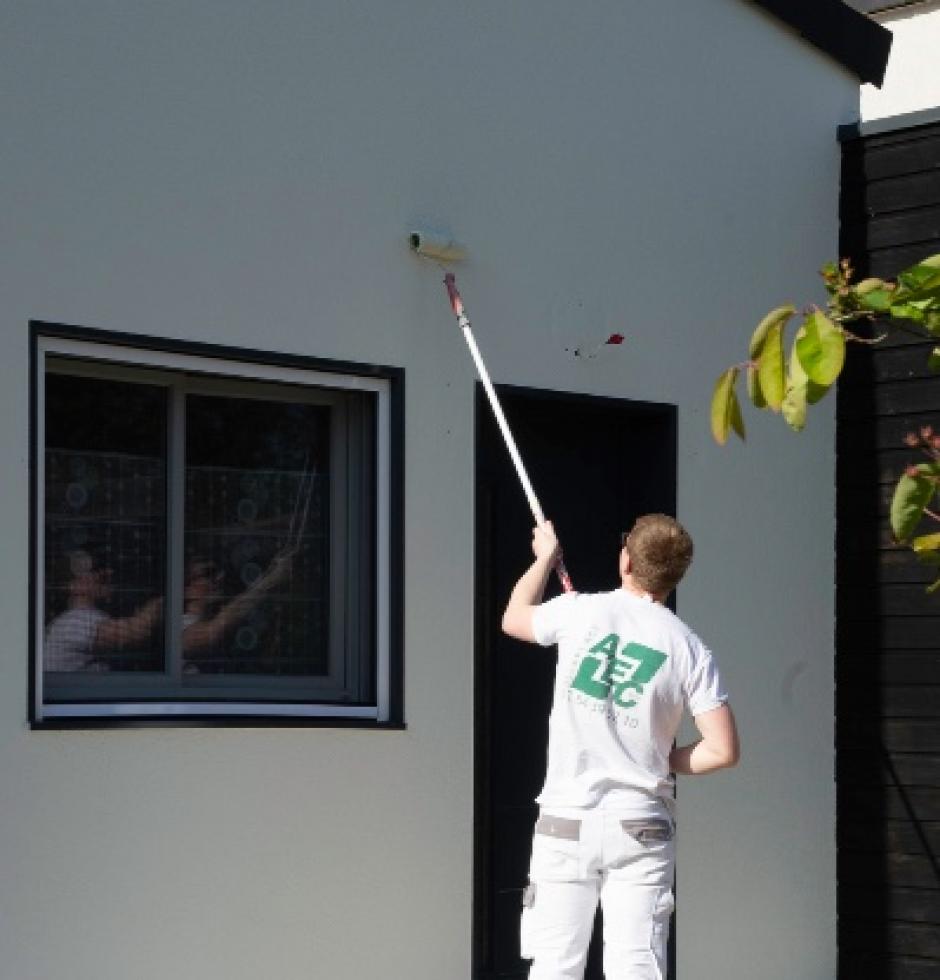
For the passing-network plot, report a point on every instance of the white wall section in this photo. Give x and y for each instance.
(247, 174)
(912, 81)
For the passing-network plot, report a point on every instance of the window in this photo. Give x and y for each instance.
(212, 533)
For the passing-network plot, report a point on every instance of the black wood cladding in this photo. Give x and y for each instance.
(888, 629)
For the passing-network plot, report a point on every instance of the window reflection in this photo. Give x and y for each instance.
(256, 586)
(105, 492)
(258, 512)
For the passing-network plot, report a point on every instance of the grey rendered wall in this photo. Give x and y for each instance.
(245, 173)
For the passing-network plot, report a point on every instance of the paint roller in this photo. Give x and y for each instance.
(436, 247)
(442, 250)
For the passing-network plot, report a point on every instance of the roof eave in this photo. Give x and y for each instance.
(851, 38)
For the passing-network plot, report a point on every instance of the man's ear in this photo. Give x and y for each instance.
(626, 563)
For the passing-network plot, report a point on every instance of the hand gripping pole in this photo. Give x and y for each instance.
(464, 323)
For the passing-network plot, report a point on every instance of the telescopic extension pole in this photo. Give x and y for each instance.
(464, 323)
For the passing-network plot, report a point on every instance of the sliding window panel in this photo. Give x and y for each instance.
(269, 543)
(256, 581)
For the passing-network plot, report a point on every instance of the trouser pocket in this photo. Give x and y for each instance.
(650, 831)
(556, 849)
(556, 925)
(553, 904)
(529, 893)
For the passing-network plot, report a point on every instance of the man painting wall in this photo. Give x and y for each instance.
(627, 670)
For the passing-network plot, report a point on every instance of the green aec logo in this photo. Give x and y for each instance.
(609, 672)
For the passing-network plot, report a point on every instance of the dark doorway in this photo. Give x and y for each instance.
(596, 464)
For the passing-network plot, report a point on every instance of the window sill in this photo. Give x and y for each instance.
(99, 723)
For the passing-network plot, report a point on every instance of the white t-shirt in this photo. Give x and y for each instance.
(70, 639)
(627, 668)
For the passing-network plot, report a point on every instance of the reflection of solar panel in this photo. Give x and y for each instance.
(242, 520)
(298, 520)
(113, 505)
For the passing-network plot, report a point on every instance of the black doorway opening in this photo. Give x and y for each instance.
(596, 464)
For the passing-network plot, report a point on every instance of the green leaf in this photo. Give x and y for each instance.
(933, 360)
(909, 311)
(794, 407)
(770, 366)
(723, 401)
(816, 393)
(929, 291)
(923, 276)
(820, 349)
(911, 497)
(867, 285)
(753, 387)
(933, 322)
(930, 557)
(920, 282)
(796, 375)
(736, 419)
(926, 543)
(774, 318)
(878, 300)
(797, 378)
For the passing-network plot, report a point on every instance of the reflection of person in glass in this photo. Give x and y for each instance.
(81, 637)
(205, 622)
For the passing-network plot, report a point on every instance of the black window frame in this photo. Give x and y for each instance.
(223, 361)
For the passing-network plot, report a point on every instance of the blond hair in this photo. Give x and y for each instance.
(660, 551)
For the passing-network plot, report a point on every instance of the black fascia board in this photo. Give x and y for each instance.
(851, 38)
(879, 6)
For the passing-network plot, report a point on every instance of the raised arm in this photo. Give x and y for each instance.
(116, 633)
(207, 632)
(528, 591)
(718, 748)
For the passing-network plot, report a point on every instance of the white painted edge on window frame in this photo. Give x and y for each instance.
(248, 370)
(173, 709)
(208, 364)
(39, 583)
(383, 566)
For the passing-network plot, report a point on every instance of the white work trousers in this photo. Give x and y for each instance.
(580, 857)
